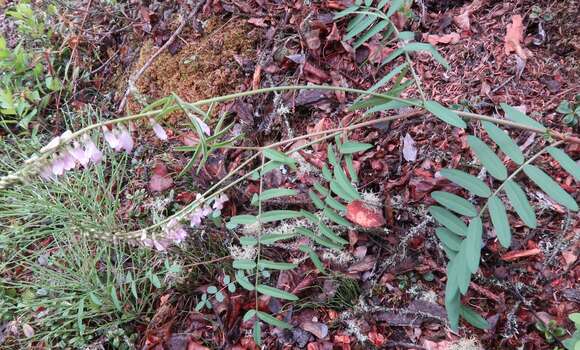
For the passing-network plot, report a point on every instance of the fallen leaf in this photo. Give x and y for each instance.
(313, 39)
(27, 330)
(520, 254)
(364, 214)
(409, 149)
(320, 330)
(258, 22)
(376, 338)
(160, 180)
(514, 37)
(434, 39)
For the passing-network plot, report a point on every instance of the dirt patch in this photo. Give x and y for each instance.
(214, 64)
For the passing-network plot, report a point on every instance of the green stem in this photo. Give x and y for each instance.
(258, 255)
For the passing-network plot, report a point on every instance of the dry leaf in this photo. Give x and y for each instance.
(409, 149)
(514, 255)
(434, 39)
(364, 214)
(514, 37)
(160, 181)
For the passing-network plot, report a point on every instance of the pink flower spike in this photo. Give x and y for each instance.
(158, 130)
(218, 204)
(125, 139)
(203, 126)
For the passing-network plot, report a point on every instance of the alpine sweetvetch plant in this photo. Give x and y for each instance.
(463, 243)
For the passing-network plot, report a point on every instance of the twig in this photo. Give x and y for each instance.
(133, 79)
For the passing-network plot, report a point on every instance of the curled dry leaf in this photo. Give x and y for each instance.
(514, 37)
(364, 214)
(434, 39)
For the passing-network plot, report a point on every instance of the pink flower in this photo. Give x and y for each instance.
(91, 150)
(68, 161)
(112, 138)
(218, 204)
(158, 130)
(203, 126)
(79, 154)
(57, 166)
(125, 139)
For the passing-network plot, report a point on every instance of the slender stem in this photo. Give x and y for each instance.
(517, 171)
(258, 252)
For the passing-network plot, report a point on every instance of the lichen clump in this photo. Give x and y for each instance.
(205, 66)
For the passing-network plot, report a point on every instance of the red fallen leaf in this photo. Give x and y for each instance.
(160, 181)
(364, 214)
(258, 22)
(376, 338)
(193, 345)
(315, 74)
(520, 254)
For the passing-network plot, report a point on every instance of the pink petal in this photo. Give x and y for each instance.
(111, 138)
(92, 151)
(57, 167)
(79, 154)
(158, 130)
(125, 140)
(203, 126)
(68, 161)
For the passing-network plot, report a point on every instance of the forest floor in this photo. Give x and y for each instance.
(387, 287)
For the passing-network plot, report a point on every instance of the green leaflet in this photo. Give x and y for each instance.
(243, 281)
(243, 219)
(273, 265)
(487, 158)
(500, 221)
(313, 257)
(378, 27)
(248, 241)
(273, 193)
(519, 117)
(505, 143)
(360, 27)
(81, 315)
(350, 168)
(278, 156)
(454, 203)
(331, 156)
(410, 47)
(460, 268)
(448, 219)
(565, 162)
(551, 187)
(316, 200)
(257, 333)
(249, 315)
(519, 201)
(452, 306)
(276, 293)
(451, 254)
(388, 77)
(334, 204)
(467, 181)
(448, 238)
(445, 114)
(473, 244)
(345, 12)
(323, 242)
(329, 213)
(341, 192)
(326, 231)
(386, 106)
(244, 264)
(345, 183)
(326, 174)
(351, 147)
(272, 320)
(473, 317)
(115, 299)
(395, 6)
(406, 36)
(276, 215)
(273, 238)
